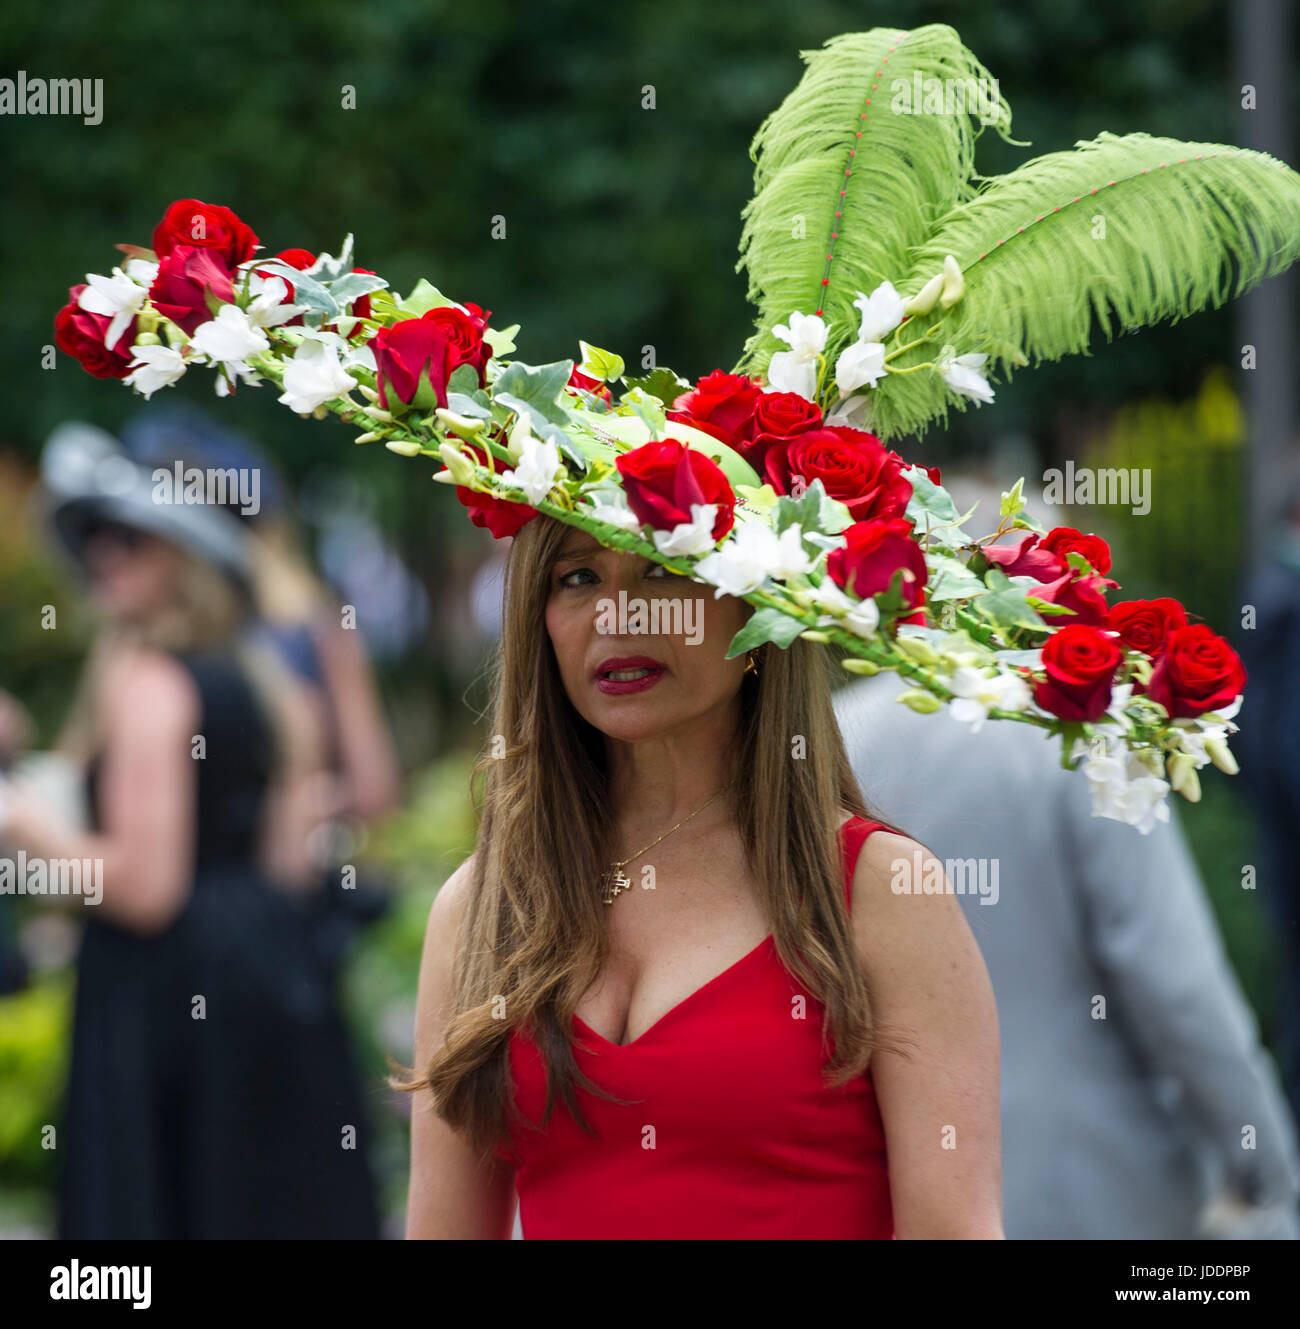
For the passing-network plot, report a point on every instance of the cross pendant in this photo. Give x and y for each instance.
(615, 883)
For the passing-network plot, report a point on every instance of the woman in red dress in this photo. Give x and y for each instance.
(682, 988)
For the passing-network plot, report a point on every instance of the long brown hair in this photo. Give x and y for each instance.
(533, 935)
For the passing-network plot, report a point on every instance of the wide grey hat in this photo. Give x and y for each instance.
(90, 478)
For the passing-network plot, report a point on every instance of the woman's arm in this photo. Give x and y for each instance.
(452, 1194)
(147, 796)
(938, 1097)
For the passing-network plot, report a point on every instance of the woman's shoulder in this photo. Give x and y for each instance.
(879, 854)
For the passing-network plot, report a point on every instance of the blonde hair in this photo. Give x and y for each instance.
(208, 612)
(533, 932)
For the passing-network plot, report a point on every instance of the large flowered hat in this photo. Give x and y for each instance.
(892, 284)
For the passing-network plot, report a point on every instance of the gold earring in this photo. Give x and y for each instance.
(751, 665)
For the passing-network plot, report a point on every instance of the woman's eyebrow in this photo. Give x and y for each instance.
(580, 549)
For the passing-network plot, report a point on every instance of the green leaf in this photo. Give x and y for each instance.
(353, 285)
(814, 510)
(535, 390)
(950, 579)
(1007, 607)
(604, 365)
(765, 625)
(327, 268)
(424, 297)
(501, 341)
(464, 378)
(475, 404)
(306, 290)
(1013, 501)
(661, 383)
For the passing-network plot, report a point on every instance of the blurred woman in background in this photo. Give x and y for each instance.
(211, 1091)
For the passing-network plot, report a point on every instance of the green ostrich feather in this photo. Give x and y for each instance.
(907, 170)
(1127, 231)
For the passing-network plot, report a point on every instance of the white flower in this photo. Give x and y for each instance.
(755, 553)
(154, 367)
(265, 309)
(961, 374)
(863, 362)
(1214, 727)
(693, 537)
(978, 694)
(882, 312)
(142, 270)
(117, 296)
(861, 617)
(229, 338)
(795, 370)
(539, 463)
(313, 377)
(1122, 786)
(616, 515)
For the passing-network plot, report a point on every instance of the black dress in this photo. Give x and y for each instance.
(211, 1090)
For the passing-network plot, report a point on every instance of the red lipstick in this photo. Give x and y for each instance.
(633, 673)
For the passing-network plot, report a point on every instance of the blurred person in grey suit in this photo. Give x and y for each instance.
(1156, 1113)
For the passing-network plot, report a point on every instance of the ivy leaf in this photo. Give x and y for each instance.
(951, 579)
(602, 365)
(424, 297)
(476, 405)
(306, 290)
(661, 383)
(352, 285)
(327, 268)
(1007, 606)
(535, 391)
(814, 510)
(648, 409)
(1013, 500)
(765, 625)
(464, 378)
(502, 342)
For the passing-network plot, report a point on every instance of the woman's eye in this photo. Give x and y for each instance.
(566, 579)
(658, 572)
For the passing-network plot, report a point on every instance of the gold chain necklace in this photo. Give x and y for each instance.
(616, 881)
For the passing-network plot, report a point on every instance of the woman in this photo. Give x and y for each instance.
(211, 1091)
(652, 1066)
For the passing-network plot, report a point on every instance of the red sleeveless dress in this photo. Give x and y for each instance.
(735, 1134)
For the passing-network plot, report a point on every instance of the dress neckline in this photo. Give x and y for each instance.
(769, 940)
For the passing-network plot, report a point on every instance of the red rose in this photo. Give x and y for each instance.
(1196, 672)
(416, 357)
(874, 551)
(725, 402)
(577, 379)
(204, 226)
(853, 467)
(1062, 540)
(1144, 625)
(80, 334)
(185, 276)
(1080, 662)
(1025, 556)
(1086, 596)
(778, 417)
(498, 515)
(664, 480)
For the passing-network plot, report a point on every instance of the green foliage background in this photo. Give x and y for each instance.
(621, 224)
